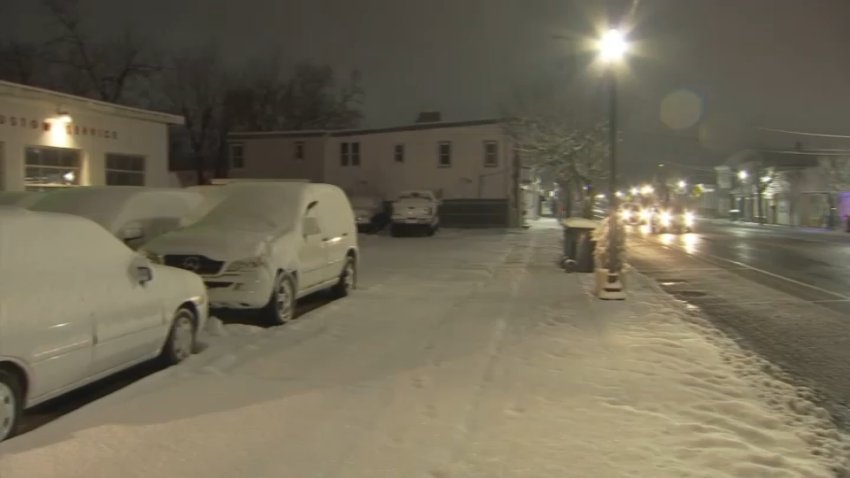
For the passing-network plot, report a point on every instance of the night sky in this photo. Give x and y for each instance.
(776, 63)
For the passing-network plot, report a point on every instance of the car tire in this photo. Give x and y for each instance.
(347, 279)
(281, 306)
(180, 343)
(11, 404)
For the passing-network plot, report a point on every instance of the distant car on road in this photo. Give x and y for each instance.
(78, 305)
(134, 214)
(264, 245)
(676, 220)
(415, 210)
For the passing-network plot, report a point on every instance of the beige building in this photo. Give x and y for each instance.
(50, 139)
(469, 162)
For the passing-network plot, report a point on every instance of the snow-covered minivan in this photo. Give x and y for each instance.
(415, 209)
(77, 305)
(264, 245)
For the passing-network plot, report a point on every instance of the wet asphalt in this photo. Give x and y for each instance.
(781, 292)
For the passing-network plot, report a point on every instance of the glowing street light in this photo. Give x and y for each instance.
(682, 184)
(634, 191)
(647, 189)
(742, 175)
(612, 46)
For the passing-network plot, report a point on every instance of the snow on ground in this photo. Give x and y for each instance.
(464, 355)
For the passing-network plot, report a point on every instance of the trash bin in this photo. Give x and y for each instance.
(578, 244)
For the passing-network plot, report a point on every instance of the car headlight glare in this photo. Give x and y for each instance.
(689, 219)
(248, 264)
(665, 219)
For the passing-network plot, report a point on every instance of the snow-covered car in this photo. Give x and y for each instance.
(369, 213)
(264, 245)
(19, 198)
(675, 220)
(133, 214)
(78, 305)
(415, 209)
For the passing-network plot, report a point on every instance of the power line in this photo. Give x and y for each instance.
(805, 133)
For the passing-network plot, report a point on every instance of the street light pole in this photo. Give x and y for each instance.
(613, 224)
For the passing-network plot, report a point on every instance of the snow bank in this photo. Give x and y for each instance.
(472, 357)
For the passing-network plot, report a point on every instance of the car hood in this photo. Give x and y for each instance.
(220, 244)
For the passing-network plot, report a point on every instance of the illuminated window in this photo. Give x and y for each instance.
(51, 167)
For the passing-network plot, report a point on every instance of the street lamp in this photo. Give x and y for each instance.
(742, 175)
(612, 48)
(682, 184)
(647, 189)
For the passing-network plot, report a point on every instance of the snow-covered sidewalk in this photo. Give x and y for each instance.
(469, 354)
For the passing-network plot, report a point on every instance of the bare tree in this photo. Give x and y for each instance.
(194, 85)
(20, 62)
(109, 68)
(310, 97)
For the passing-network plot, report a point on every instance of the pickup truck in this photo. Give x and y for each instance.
(415, 210)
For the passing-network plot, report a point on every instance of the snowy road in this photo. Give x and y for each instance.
(785, 293)
(464, 355)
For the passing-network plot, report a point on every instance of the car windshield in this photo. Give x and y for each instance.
(255, 207)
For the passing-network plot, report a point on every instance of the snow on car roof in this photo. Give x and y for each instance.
(257, 206)
(19, 198)
(111, 206)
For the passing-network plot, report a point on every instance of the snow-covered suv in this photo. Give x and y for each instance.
(416, 209)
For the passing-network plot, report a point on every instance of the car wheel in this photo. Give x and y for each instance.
(11, 404)
(181, 339)
(347, 279)
(281, 306)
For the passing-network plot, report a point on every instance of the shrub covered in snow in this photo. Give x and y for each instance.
(602, 237)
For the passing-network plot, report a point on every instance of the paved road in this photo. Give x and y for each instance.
(783, 293)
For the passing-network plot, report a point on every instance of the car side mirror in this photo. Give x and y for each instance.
(144, 274)
(142, 270)
(131, 232)
(311, 227)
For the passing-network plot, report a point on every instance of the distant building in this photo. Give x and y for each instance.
(50, 139)
(471, 165)
(800, 187)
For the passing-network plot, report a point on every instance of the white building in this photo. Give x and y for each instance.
(471, 165)
(51, 139)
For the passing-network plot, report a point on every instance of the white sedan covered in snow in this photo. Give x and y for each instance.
(77, 305)
(134, 214)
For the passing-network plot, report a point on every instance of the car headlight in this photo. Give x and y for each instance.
(645, 214)
(626, 214)
(665, 218)
(153, 257)
(248, 264)
(689, 219)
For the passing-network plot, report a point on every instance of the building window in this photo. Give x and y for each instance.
(355, 154)
(299, 150)
(491, 154)
(51, 167)
(344, 156)
(399, 153)
(125, 170)
(444, 153)
(349, 154)
(237, 156)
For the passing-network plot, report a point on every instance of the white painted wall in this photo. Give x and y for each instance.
(274, 157)
(104, 133)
